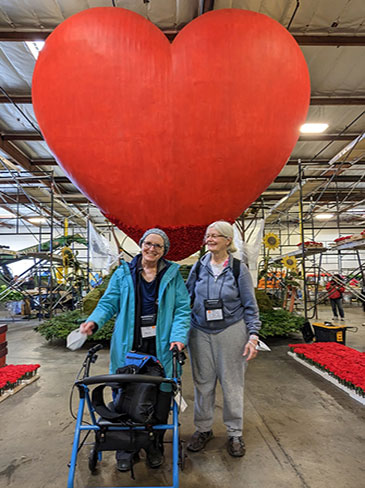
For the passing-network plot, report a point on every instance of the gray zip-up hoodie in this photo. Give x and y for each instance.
(238, 302)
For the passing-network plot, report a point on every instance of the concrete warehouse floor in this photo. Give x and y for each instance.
(300, 431)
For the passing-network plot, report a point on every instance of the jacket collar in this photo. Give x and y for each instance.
(136, 265)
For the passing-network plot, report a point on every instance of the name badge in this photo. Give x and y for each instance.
(149, 331)
(213, 309)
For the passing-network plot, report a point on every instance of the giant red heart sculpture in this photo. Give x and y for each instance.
(171, 135)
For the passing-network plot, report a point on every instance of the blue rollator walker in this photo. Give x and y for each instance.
(110, 434)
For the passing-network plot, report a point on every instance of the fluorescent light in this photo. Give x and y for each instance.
(37, 220)
(324, 216)
(313, 128)
(35, 47)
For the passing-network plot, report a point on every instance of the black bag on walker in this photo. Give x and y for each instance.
(135, 403)
(138, 400)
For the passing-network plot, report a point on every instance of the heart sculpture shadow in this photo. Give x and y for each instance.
(171, 135)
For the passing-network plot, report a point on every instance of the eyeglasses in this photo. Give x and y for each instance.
(148, 244)
(214, 236)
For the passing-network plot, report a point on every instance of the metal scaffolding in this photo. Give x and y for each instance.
(53, 281)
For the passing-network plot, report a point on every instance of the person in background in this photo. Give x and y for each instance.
(152, 306)
(223, 336)
(335, 291)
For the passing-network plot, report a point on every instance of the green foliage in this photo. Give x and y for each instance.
(105, 333)
(11, 296)
(90, 300)
(264, 302)
(61, 325)
(279, 323)
(292, 278)
(185, 270)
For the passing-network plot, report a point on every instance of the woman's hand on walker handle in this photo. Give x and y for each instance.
(179, 345)
(87, 328)
(250, 350)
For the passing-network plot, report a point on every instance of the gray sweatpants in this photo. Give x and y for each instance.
(219, 357)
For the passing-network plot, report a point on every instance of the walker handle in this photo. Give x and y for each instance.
(177, 357)
(116, 380)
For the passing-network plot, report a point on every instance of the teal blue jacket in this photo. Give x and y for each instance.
(173, 317)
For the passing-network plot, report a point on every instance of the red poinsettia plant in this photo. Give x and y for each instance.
(12, 375)
(345, 364)
(344, 238)
(311, 243)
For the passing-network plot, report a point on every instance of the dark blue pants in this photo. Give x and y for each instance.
(336, 303)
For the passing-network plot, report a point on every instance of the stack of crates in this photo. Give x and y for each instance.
(3, 344)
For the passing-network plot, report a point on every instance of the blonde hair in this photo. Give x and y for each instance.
(226, 229)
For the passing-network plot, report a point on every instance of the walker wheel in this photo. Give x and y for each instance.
(182, 455)
(93, 459)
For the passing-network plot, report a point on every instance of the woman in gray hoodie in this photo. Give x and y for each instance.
(223, 336)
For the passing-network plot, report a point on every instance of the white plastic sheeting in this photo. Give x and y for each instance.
(103, 256)
(47, 14)
(312, 16)
(249, 251)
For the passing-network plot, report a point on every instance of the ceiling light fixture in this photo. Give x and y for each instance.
(37, 220)
(313, 128)
(324, 216)
(35, 47)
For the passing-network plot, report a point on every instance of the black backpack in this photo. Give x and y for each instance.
(135, 402)
(138, 400)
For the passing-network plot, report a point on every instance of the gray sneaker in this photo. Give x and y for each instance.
(236, 447)
(198, 440)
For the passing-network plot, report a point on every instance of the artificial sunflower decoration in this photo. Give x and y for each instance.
(289, 262)
(67, 257)
(271, 240)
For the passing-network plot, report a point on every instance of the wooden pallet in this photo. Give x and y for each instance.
(357, 237)
(22, 385)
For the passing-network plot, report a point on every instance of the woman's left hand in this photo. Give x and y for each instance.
(179, 345)
(250, 350)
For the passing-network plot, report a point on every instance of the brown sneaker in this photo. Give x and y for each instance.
(198, 440)
(236, 447)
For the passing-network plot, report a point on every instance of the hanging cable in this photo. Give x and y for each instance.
(294, 13)
(20, 110)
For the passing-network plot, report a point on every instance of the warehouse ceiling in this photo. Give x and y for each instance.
(331, 34)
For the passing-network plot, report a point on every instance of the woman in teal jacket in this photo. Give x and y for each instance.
(152, 306)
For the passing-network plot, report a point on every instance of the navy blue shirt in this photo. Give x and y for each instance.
(148, 296)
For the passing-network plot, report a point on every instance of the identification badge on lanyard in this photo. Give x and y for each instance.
(149, 331)
(148, 326)
(213, 309)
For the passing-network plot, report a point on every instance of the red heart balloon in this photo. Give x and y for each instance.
(171, 135)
